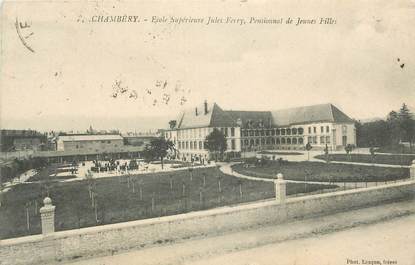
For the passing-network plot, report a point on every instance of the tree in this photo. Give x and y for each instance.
(349, 148)
(407, 124)
(215, 143)
(394, 127)
(172, 124)
(308, 147)
(158, 149)
(326, 153)
(373, 154)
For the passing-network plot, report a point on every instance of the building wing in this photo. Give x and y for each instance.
(205, 115)
(309, 114)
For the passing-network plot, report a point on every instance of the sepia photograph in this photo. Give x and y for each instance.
(195, 132)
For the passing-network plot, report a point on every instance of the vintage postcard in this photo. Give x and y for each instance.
(207, 132)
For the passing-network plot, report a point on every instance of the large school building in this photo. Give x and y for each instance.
(247, 131)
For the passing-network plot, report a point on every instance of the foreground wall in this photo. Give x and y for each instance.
(108, 239)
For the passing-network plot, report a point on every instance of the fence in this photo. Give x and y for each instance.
(52, 246)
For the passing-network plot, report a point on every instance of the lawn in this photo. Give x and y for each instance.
(318, 171)
(279, 153)
(122, 199)
(366, 158)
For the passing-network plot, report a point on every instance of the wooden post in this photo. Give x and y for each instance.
(27, 217)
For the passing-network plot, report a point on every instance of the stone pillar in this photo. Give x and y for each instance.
(280, 188)
(47, 215)
(412, 170)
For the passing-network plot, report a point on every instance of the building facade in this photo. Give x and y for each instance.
(321, 125)
(21, 140)
(89, 143)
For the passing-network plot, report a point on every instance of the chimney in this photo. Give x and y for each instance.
(196, 111)
(206, 107)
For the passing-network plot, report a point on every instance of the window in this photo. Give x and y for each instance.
(103, 142)
(267, 132)
(314, 129)
(327, 139)
(322, 139)
(233, 144)
(273, 141)
(309, 130)
(288, 140)
(288, 131)
(294, 131)
(310, 139)
(278, 141)
(294, 140)
(278, 132)
(226, 132)
(272, 132)
(251, 142)
(315, 139)
(282, 131)
(256, 133)
(282, 140)
(251, 133)
(195, 145)
(327, 129)
(344, 129)
(300, 130)
(262, 133)
(246, 142)
(187, 145)
(256, 141)
(321, 129)
(191, 145)
(300, 140)
(200, 145)
(232, 131)
(262, 141)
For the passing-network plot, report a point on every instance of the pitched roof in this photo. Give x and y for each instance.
(91, 137)
(251, 116)
(308, 114)
(215, 117)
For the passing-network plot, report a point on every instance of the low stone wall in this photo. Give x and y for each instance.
(108, 239)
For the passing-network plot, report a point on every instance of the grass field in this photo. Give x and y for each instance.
(269, 152)
(121, 199)
(366, 158)
(317, 171)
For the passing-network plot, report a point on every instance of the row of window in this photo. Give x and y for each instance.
(314, 129)
(200, 133)
(272, 141)
(323, 140)
(273, 132)
(199, 145)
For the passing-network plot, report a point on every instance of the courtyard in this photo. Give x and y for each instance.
(128, 197)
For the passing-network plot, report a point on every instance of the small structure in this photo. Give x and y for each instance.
(47, 215)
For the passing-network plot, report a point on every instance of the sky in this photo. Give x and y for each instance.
(79, 68)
